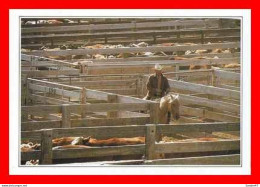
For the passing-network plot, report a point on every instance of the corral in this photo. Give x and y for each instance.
(88, 79)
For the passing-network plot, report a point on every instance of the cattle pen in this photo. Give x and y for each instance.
(87, 78)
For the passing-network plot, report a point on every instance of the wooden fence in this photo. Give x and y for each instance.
(152, 37)
(127, 26)
(39, 90)
(112, 118)
(134, 49)
(150, 149)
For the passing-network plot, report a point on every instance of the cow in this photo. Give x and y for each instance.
(232, 66)
(113, 141)
(70, 141)
(32, 162)
(167, 44)
(67, 141)
(28, 147)
(54, 22)
(201, 51)
(125, 55)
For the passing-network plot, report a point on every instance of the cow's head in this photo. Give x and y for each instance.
(86, 140)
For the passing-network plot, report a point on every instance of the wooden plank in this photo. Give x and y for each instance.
(104, 107)
(128, 99)
(127, 41)
(120, 162)
(223, 106)
(89, 93)
(66, 112)
(48, 100)
(197, 127)
(150, 141)
(200, 88)
(102, 83)
(154, 113)
(183, 119)
(228, 75)
(83, 99)
(133, 49)
(189, 147)
(111, 26)
(35, 73)
(166, 63)
(161, 58)
(203, 113)
(39, 59)
(110, 34)
(33, 136)
(46, 147)
(37, 125)
(121, 91)
(96, 94)
(112, 98)
(98, 132)
(233, 159)
(229, 87)
(53, 84)
(110, 122)
(65, 93)
(41, 110)
(138, 33)
(99, 151)
(221, 117)
(32, 155)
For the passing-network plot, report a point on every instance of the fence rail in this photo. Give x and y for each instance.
(150, 149)
(134, 49)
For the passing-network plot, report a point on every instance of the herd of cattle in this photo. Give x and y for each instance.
(82, 142)
(179, 55)
(48, 21)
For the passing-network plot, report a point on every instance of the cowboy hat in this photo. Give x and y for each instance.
(158, 67)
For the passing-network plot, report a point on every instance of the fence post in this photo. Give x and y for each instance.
(46, 146)
(213, 77)
(144, 81)
(150, 141)
(154, 113)
(202, 37)
(83, 70)
(83, 101)
(178, 35)
(213, 83)
(138, 87)
(112, 98)
(220, 23)
(177, 69)
(66, 123)
(27, 96)
(154, 117)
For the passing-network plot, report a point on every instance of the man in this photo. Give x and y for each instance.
(157, 85)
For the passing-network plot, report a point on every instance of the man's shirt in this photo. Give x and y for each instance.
(157, 85)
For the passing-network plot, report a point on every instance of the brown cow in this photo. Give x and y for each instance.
(94, 142)
(114, 141)
(29, 147)
(67, 141)
(232, 66)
